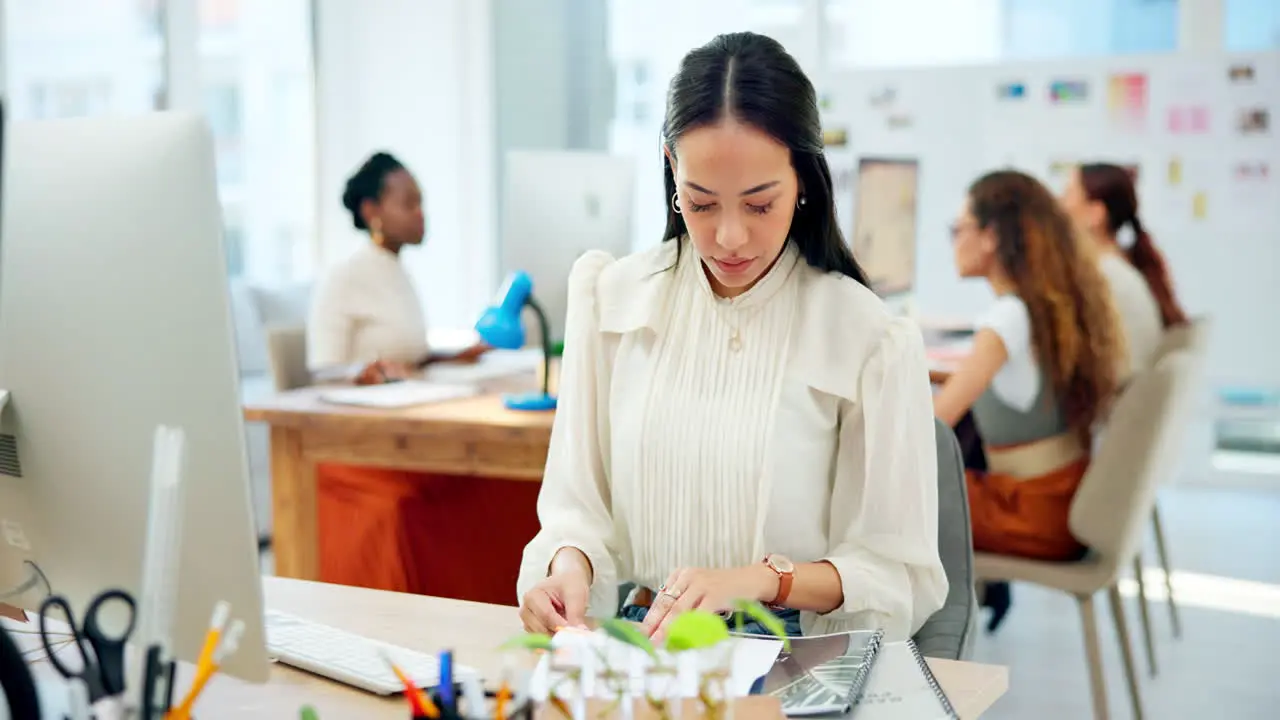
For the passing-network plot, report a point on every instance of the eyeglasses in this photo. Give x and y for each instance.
(958, 227)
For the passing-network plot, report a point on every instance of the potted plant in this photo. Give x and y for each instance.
(694, 636)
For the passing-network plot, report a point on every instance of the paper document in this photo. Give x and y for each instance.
(493, 365)
(751, 659)
(398, 394)
(901, 686)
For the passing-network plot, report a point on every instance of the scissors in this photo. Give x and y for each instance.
(103, 671)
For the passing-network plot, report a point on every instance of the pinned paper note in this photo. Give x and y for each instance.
(1200, 205)
(1175, 171)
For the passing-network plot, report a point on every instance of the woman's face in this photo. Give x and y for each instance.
(399, 212)
(974, 247)
(1088, 214)
(737, 191)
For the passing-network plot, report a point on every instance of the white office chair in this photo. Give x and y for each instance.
(1110, 509)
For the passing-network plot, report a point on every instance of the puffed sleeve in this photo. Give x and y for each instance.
(574, 503)
(884, 504)
(330, 326)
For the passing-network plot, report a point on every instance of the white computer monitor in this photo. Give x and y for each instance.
(558, 204)
(114, 319)
(884, 225)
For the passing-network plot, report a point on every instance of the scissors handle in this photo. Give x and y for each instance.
(88, 669)
(109, 649)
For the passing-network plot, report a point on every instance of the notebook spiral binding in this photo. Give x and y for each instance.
(860, 680)
(943, 700)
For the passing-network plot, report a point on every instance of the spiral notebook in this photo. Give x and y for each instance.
(902, 687)
(822, 674)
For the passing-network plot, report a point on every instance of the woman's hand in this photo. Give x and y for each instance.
(471, 354)
(712, 590)
(382, 371)
(559, 601)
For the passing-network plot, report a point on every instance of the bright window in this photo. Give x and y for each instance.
(256, 78)
(73, 58)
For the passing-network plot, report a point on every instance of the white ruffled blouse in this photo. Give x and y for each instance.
(695, 431)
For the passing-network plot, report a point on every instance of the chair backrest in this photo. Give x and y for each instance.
(948, 633)
(287, 357)
(1114, 502)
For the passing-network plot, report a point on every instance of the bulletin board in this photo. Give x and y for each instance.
(884, 223)
(1198, 132)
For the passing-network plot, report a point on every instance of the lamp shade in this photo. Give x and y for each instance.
(500, 325)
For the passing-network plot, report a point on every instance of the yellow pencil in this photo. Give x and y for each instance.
(230, 643)
(221, 612)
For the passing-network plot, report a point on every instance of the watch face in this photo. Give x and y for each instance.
(782, 564)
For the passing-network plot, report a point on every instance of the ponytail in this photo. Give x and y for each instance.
(1144, 256)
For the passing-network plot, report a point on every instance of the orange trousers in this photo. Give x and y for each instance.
(1025, 517)
(450, 536)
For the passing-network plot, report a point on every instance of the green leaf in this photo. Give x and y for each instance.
(528, 641)
(628, 633)
(696, 629)
(761, 614)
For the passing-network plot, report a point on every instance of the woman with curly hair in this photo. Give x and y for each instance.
(1042, 371)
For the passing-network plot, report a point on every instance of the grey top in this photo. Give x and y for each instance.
(1001, 424)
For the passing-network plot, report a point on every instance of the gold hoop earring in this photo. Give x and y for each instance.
(375, 233)
(675, 203)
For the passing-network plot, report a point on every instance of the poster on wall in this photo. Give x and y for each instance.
(1127, 101)
(884, 225)
(1253, 121)
(1188, 119)
(1068, 91)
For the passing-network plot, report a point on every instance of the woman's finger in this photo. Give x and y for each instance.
(657, 611)
(689, 599)
(541, 606)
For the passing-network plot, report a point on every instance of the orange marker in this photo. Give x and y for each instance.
(419, 703)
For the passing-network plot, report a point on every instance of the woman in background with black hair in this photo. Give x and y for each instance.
(366, 318)
(1102, 199)
(740, 417)
(391, 529)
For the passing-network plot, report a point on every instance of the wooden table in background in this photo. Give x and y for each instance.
(471, 437)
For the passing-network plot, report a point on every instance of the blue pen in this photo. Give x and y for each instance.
(446, 680)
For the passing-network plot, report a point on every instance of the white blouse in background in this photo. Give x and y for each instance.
(365, 309)
(811, 435)
(1139, 312)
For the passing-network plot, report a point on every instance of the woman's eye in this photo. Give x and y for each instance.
(700, 208)
(759, 209)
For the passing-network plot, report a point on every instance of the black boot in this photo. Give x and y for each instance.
(998, 597)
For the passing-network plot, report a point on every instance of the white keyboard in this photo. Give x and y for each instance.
(349, 658)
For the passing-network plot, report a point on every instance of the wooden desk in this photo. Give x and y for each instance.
(473, 630)
(475, 436)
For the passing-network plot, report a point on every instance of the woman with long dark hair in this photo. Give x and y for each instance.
(740, 416)
(1103, 200)
(1042, 371)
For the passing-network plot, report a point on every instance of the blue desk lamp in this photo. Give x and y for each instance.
(500, 327)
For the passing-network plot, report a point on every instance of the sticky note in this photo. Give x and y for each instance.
(1199, 206)
(1175, 171)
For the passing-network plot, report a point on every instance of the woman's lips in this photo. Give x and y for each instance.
(733, 266)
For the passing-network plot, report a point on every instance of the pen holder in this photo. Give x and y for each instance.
(523, 711)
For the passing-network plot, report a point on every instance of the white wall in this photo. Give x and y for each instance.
(415, 78)
(898, 33)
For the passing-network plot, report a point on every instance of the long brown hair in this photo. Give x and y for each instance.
(1075, 330)
(1113, 186)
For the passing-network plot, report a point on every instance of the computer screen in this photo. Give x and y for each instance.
(559, 204)
(884, 226)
